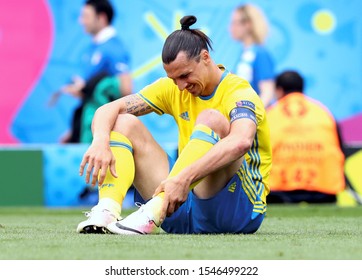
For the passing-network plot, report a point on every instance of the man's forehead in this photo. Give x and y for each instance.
(181, 59)
(181, 65)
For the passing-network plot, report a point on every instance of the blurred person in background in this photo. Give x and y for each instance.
(249, 27)
(106, 58)
(308, 160)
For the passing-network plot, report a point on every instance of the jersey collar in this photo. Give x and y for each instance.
(104, 35)
(222, 78)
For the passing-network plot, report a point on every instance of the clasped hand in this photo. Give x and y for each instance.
(176, 191)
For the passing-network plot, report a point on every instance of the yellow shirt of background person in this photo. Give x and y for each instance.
(232, 92)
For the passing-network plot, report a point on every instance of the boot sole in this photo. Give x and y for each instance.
(94, 230)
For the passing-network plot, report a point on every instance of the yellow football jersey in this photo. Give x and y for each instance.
(232, 93)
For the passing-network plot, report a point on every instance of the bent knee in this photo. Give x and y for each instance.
(215, 120)
(126, 123)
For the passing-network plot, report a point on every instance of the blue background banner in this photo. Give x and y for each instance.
(322, 39)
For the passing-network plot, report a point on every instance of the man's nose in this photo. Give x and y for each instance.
(181, 85)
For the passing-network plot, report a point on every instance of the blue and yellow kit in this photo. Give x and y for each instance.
(234, 98)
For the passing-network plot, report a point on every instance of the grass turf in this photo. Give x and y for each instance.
(301, 232)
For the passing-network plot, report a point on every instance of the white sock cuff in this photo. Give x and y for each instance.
(110, 204)
(154, 205)
(155, 202)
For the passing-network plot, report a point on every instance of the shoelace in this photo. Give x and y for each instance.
(139, 204)
(88, 214)
(141, 207)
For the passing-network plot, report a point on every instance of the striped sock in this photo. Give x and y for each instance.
(116, 188)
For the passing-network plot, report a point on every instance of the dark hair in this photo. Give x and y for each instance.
(290, 81)
(190, 41)
(102, 6)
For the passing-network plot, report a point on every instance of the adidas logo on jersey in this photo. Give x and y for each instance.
(185, 116)
(232, 187)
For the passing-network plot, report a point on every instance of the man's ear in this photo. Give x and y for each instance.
(279, 92)
(205, 56)
(103, 17)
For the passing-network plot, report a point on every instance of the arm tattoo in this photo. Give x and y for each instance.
(136, 106)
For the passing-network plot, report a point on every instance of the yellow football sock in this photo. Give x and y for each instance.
(116, 188)
(201, 141)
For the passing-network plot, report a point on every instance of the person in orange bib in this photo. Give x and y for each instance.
(308, 161)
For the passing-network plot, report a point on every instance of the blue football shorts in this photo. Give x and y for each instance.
(229, 211)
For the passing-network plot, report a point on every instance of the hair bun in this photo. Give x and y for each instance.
(187, 21)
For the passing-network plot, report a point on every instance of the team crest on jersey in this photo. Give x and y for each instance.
(96, 58)
(246, 103)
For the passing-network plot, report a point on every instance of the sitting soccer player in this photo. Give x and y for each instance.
(219, 182)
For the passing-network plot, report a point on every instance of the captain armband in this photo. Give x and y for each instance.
(242, 113)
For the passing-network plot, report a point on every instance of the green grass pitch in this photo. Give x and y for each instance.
(299, 232)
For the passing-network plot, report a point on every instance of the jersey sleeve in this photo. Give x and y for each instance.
(159, 95)
(244, 103)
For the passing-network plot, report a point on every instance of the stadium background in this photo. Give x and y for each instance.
(41, 43)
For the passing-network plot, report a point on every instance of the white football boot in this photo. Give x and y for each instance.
(98, 219)
(143, 221)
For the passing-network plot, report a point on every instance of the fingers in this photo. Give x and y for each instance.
(88, 171)
(93, 165)
(157, 191)
(176, 206)
(170, 209)
(96, 170)
(112, 169)
(103, 173)
(82, 165)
